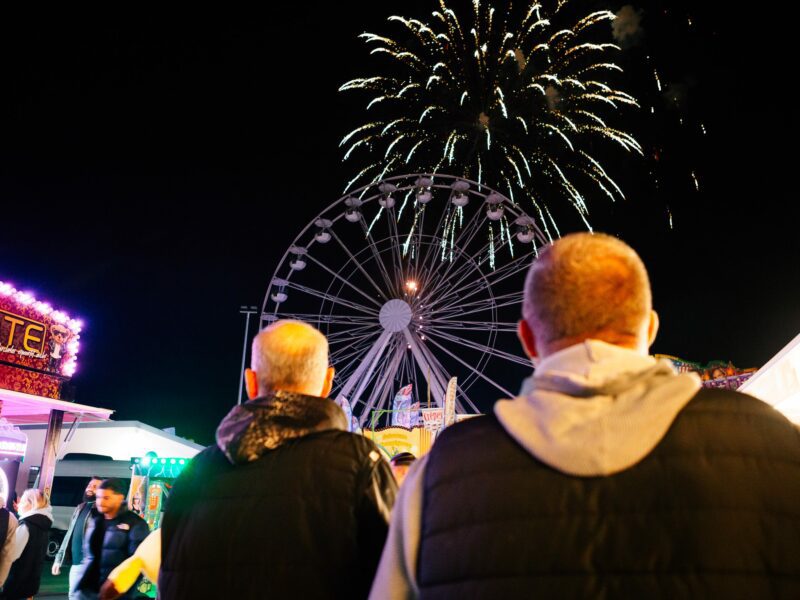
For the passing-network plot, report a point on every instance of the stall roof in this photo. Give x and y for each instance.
(24, 409)
(778, 382)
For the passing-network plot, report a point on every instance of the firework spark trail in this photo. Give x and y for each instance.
(511, 97)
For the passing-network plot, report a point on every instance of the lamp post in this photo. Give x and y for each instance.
(247, 311)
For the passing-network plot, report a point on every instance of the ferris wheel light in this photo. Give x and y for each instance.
(411, 286)
(460, 200)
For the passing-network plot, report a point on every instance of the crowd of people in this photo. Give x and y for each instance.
(610, 476)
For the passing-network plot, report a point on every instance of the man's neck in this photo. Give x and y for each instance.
(113, 515)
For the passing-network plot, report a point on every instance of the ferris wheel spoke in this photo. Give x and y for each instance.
(420, 233)
(327, 319)
(471, 404)
(480, 347)
(361, 268)
(484, 377)
(450, 279)
(384, 384)
(458, 309)
(390, 216)
(433, 273)
(364, 369)
(423, 363)
(350, 336)
(345, 353)
(429, 259)
(391, 287)
(344, 281)
(491, 280)
(330, 298)
(507, 327)
(439, 373)
(459, 291)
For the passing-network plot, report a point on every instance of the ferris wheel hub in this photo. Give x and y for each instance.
(395, 315)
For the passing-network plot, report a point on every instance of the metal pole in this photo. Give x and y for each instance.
(48, 467)
(245, 310)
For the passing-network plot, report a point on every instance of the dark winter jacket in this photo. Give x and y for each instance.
(287, 505)
(26, 572)
(712, 512)
(108, 542)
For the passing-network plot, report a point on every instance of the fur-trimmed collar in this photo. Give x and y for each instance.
(263, 424)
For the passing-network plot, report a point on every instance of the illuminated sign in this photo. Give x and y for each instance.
(36, 338)
(19, 334)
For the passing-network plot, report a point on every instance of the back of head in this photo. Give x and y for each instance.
(403, 459)
(32, 499)
(587, 286)
(290, 355)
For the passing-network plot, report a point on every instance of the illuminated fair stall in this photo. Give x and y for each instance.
(38, 356)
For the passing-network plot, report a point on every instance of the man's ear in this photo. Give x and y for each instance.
(652, 328)
(251, 383)
(328, 383)
(527, 338)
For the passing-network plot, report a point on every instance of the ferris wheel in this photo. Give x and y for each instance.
(414, 279)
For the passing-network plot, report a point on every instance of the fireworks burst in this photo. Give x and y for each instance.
(510, 99)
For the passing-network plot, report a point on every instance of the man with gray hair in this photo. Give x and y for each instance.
(288, 503)
(612, 476)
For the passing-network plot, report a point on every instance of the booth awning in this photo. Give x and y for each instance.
(27, 409)
(778, 382)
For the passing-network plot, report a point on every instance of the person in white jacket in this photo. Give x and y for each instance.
(30, 546)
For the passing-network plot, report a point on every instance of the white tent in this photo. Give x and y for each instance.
(778, 382)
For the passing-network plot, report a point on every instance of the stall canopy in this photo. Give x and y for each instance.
(27, 409)
(778, 382)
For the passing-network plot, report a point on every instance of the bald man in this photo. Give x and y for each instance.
(288, 503)
(612, 476)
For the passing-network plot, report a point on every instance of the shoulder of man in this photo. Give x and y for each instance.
(730, 401)
(740, 418)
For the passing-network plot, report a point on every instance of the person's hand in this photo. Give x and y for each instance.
(56, 570)
(108, 591)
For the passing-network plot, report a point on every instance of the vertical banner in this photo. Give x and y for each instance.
(450, 403)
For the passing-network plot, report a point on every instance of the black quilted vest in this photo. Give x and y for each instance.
(712, 512)
(26, 572)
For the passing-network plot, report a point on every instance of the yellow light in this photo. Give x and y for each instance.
(411, 285)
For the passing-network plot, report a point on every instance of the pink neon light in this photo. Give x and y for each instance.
(44, 309)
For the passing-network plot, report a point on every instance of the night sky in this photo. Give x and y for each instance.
(153, 171)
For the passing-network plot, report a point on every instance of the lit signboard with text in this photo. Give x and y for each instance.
(38, 345)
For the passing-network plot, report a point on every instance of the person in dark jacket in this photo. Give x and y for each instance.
(613, 476)
(30, 546)
(288, 503)
(112, 536)
(71, 549)
(8, 534)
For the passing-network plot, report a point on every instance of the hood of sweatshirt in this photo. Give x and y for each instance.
(255, 427)
(40, 517)
(596, 409)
